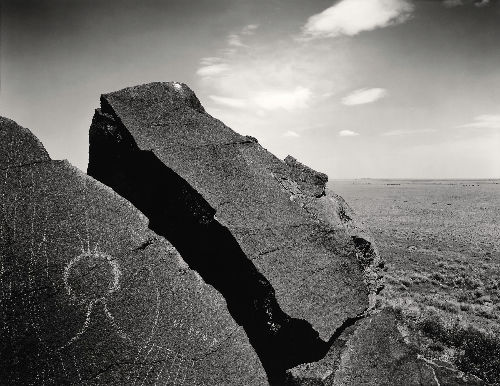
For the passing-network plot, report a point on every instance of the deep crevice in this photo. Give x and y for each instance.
(180, 214)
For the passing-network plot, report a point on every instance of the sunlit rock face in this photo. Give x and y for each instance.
(89, 295)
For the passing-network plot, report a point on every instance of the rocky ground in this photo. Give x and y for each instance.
(441, 243)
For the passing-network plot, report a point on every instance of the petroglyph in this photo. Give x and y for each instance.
(89, 279)
(91, 276)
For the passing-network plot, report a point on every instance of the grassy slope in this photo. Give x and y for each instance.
(441, 242)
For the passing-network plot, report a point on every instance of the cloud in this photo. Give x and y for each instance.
(482, 3)
(215, 65)
(287, 100)
(249, 29)
(406, 132)
(363, 96)
(457, 3)
(484, 122)
(208, 61)
(291, 134)
(234, 40)
(348, 133)
(452, 3)
(230, 102)
(212, 70)
(248, 86)
(350, 17)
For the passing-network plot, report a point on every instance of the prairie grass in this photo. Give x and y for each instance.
(441, 243)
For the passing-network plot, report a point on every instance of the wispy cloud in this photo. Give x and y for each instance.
(452, 3)
(363, 96)
(482, 3)
(260, 78)
(350, 17)
(250, 86)
(212, 69)
(484, 122)
(457, 3)
(348, 133)
(407, 132)
(230, 102)
(249, 29)
(291, 134)
(216, 65)
(208, 61)
(234, 40)
(297, 98)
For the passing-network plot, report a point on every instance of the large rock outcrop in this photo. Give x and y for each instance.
(89, 295)
(253, 226)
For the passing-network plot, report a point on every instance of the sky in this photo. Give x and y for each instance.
(352, 88)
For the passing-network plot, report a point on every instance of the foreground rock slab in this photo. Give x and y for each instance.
(89, 295)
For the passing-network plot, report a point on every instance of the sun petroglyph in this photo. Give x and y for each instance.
(90, 278)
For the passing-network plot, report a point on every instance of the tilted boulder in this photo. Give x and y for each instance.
(253, 226)
(89, 295)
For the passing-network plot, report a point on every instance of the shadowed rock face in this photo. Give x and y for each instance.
(238, 215)
(89, 295)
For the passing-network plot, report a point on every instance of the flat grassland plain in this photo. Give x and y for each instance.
(441, 243)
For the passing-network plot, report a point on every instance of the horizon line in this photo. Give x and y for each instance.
(417, 179)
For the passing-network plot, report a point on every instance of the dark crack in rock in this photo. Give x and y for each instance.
(236, 214)
(90, 295)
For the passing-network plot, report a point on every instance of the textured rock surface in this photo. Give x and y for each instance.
(18, 146)
(90, 295)
(289, 275)
(373, 352)
(333, 209)
(310, 181)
